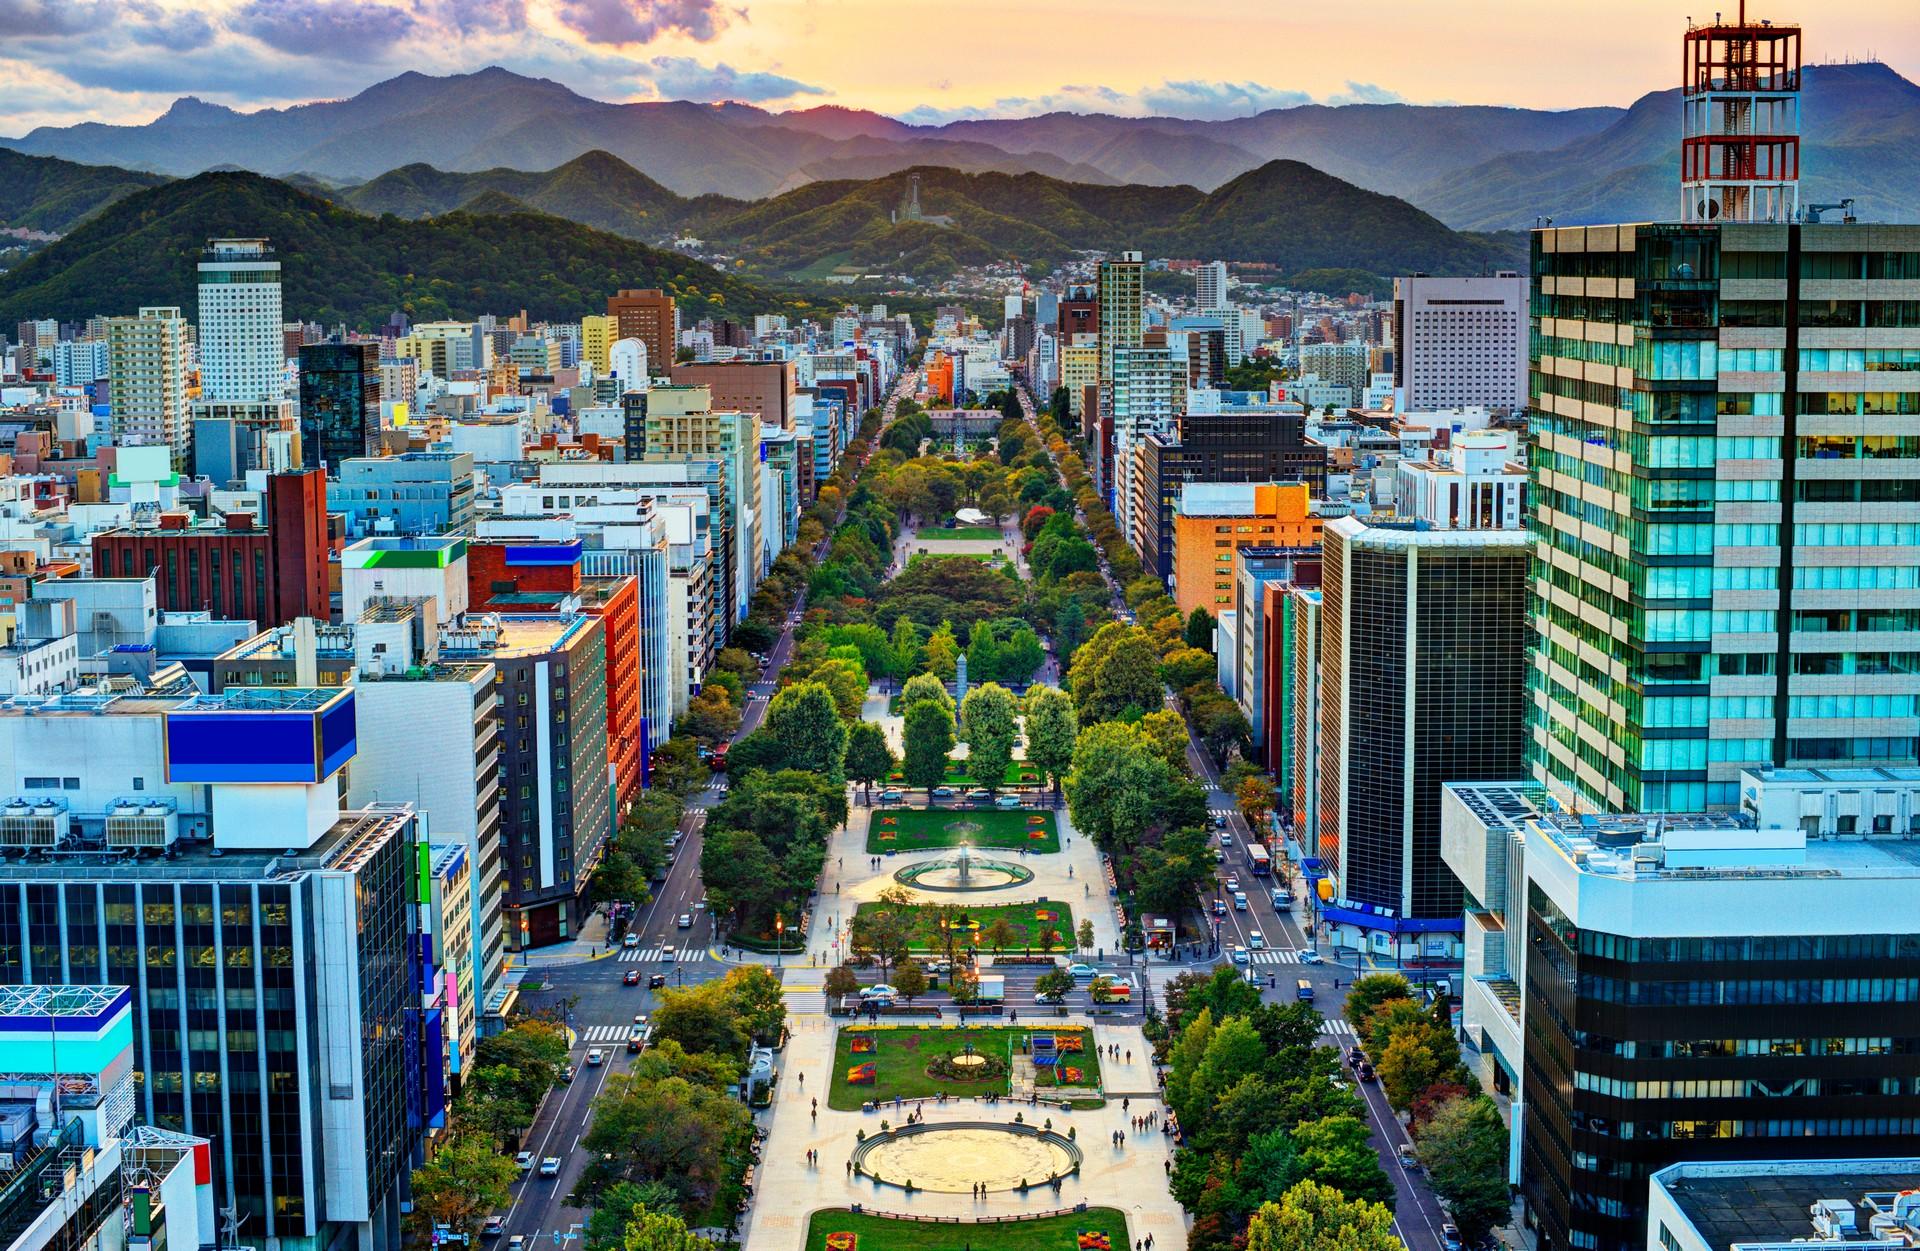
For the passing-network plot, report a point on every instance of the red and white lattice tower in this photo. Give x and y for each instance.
(1740, 122)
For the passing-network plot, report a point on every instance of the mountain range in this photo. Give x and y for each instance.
(1474, 167)
(1283, 212)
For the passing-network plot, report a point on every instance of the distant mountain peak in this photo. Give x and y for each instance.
(193, 111)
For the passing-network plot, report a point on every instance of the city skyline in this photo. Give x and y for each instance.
(59, 67)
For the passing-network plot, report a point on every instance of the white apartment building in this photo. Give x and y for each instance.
(1210, 285)
(1474, 483)
(1460, 342)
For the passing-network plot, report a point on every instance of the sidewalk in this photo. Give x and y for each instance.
(588, 945)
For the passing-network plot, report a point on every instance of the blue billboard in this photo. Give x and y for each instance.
(261, 735)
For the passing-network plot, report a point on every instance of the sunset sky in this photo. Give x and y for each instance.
(66, 61)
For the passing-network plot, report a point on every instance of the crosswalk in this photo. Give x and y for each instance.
(1337, 1027)
(1267, 955)
(641, 955)
(804, 991)
(600, 1035)
(1220, 812)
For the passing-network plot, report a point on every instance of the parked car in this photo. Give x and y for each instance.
(630, 978)
(493, 1228)
(550, 1167)
(1007, 801)
(566, 1073)
(890, 797)
(943, 792)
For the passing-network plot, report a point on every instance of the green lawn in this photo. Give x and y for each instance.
(1053, 1233)
(1026, 925)
(960, 534)
(916, 829)
(1019, 773)
(985, 558)
(901, 1054)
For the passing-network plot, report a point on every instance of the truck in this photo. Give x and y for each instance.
(991, 990)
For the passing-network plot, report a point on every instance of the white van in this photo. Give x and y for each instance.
(1239, 901)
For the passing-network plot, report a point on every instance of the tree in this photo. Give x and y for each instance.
(1199, 631)
(998, 935)
(942, 654)
(674, 1130)
(1185, 666)
(906, 647)
(1117, 782)
(1051, 730)
(928, 739)
(841, 981)
(923, 687)
(805, 721)
(847, 682)
(869, 758)
(1407, 1067)
(1021, 655)
(1314, 1217)
(1168, 734)
(1335, 1152)
(606, 1226)
(987, 724)
(1048, 939)
(742, 878)
(753, 991)
(711, 715)
(1053, 982)
(911, 981)
(466, 1178)
(983, 654)
(1117, 671)
(661, 1231)
(1084, 937)
(1370, 991)
(701, 1018)
(1070, 627)
(1256, 797)
(1464, 1149)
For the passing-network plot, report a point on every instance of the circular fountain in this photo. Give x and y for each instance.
(956, 1157)
(962, 871)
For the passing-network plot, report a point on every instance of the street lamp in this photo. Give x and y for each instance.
(779, 937)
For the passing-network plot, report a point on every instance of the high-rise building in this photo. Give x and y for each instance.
(271, 950)
(147, 381)
(1690, 986)
(650, 316)
(1458, 343)
(1726, 509)
(596, 342)
(764, 388)
(1078, 317)
(1214, 520)
(1122, 307)
(1210, 285)
(242, 355)
(1141, 393)
(1423, 680)
(412, 493)
(1237, 443)
(339, 403)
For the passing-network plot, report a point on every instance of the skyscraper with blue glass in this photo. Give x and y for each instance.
(1726, 506)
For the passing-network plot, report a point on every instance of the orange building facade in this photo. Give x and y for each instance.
(1214, 522)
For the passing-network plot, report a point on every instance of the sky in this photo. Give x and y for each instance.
(125, 61)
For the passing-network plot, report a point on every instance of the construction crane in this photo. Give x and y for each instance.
(1811, 213)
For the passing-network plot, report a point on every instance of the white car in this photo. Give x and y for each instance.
(524, 1160)
(882, 993)
(1256, 940)
(1310, 956)
(1239, 954)
(596, 1058)
(1080, 970)
(1233, 881)
(1226, 839)
(550, 1167)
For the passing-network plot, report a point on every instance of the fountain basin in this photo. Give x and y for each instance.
(953, 1158)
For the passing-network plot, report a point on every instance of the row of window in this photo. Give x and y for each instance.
(1747, 948)
(1860, 360)
(1743, 1087)
(1743, 1048)
(1780, 991)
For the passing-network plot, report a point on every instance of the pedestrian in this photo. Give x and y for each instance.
(1168, 1165)
(1149, 1242)
(803, 1080)
(1129, 1061)
(849, 1168)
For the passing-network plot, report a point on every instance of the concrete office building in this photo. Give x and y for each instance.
(765, 388)
(1726, 506)
(1423, 661)
(271, 953)
(649, 316)
(147, 381)
(243, 358)
(555, 811)
(1142, 398)
(1700, 1206)
(1473, 483)
(1237, 443)
(1260, 645)
(412, 493)
(1459, 343)
(1212, 521)
(1695, 987)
